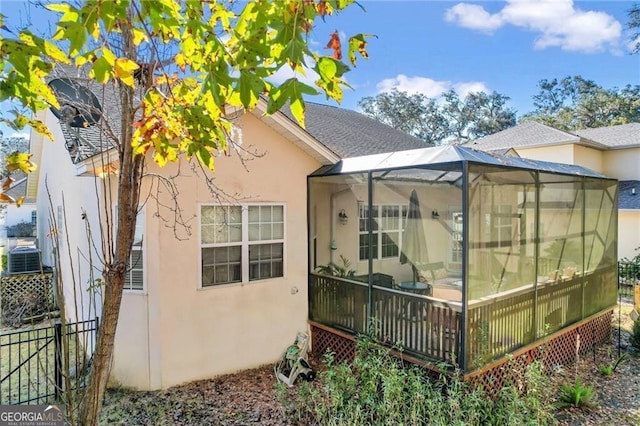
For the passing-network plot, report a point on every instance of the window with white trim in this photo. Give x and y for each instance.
(457, 224)
(134, 280)
(388, 223)
(500, 224)
(241, 243)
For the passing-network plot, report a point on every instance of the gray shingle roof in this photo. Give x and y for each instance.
(19, 186)
(86, 142)
(624, 135)
(349, 133)
(627, 198)
(527, 134)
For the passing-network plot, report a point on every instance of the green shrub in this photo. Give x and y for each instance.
(576, 395)
(378, 389)
(609, 369)
(21, 230)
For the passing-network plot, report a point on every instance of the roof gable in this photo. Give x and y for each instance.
(331, 133)
(525, 135)
(622, 136)
(349, 133)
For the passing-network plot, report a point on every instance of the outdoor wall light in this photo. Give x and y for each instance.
(434, 214)
(342, 217)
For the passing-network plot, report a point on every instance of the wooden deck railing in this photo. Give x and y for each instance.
(431, 328)
(503, 322)
(423, 326)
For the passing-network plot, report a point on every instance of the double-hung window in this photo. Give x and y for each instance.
(241, 243)
(387, 226)
(503, 225)
(134, 280)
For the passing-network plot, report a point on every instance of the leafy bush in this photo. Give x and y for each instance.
(576, 395)
(335, 270)
(378, 389)
(609, 369)
(21, 230)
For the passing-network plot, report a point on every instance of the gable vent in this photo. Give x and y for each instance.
(23, 260)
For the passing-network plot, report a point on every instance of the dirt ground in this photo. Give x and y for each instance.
(249, 397)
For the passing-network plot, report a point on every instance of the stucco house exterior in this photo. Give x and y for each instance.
(199, 303)
(613, 151)
(12, 214)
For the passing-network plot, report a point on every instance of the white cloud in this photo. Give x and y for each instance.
(463, 89)
(428, 87)
(473, 16)
(557, 23)
(309, 77)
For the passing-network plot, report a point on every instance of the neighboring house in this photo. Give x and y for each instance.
(613, 151)
(12, 214)
(197, 302)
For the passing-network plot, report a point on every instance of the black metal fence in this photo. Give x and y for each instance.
(37, 364)
(628, 277)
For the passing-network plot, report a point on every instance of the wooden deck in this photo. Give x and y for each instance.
(423, 326)
(432, 329)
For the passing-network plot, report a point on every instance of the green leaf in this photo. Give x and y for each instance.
(250, 87)
(330, 68)
(358, 43)
(101, 70)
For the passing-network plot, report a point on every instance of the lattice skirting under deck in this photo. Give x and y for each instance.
(559, 349)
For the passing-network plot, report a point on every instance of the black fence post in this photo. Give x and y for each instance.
(57, 337)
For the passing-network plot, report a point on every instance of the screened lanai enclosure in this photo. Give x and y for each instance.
(457, 255)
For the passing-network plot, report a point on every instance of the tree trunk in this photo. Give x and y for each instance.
(104, 350)
(129, 179)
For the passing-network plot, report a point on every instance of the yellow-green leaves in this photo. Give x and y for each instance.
(123, 69)
(205, 58)
(20, 161)
(292, 90)
(331, 71)
(358, 43)
(109, 66)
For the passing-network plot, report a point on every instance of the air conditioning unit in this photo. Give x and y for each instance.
(24, 260)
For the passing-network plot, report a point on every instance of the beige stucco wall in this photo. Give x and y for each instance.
(346, 239)
(628, 233)
(588, 157)
(557, 153)
(193, 332)
(623, 164)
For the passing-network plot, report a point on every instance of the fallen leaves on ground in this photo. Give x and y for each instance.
(249, 397)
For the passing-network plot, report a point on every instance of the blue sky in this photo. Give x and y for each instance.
(508, 47)
(432, 46)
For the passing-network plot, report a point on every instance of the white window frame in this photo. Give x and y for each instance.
(457, 229)
(244, 243)
(503, 222)
(403, 210)
(141, 227)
